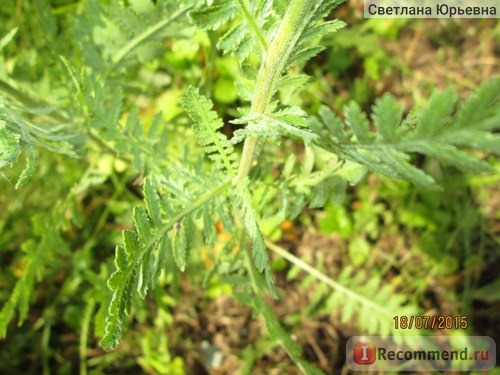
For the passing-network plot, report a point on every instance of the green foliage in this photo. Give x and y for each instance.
(41, 252)
(165, 226)
(242, 38)
(243, 202)
(289, 121)
(190, 190)
(20, 134)
(277, 332)
(436, 130)
(10, 143)
(116, 35)
(207, 125)
(373, 314)
(367, 299)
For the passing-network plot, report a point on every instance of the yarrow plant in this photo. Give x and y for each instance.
(188, 190)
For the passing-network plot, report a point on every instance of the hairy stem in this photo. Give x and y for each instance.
(271, 69)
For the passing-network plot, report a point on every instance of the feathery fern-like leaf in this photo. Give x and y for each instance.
(244, 36)
(287, 122)
(180, 246)
(113, 34)
(480, 110)
(368, 299)
(207, 124)
(314, 28)
(216, 15)
(138, 260)
(40, 253)
(242, 201)
(437, 130)
(277, 333)
(20, 133)
(387, 116)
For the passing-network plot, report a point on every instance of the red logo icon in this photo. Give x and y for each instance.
(364, 353)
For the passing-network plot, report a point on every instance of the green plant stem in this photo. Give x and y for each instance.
(254, 276)
(271, 69)
(46, 347)
(324, 278)
(83, 336)
(247, 157)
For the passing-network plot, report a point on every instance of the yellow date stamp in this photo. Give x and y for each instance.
(430, 322)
